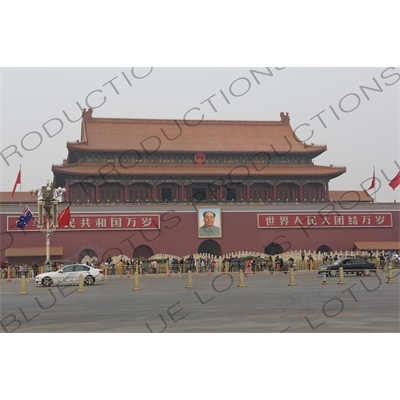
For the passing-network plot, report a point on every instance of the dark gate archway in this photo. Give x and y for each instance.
(210, 247)
(324, 249)
(273, 249)
(87, 252)
(143, 251)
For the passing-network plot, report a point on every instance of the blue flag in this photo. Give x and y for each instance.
(24, 218)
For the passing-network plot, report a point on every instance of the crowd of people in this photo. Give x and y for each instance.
(202, 264)
(385, 259)
(189, 264)
(19, 270)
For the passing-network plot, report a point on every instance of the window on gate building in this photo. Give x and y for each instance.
(198, 194)
(234, 192)
(111, 193)
(312, 192)
(286, 192)
(168, 193)
(230, 194)
(204, 192)
(258, 192)
(79, 194)
(141, 193)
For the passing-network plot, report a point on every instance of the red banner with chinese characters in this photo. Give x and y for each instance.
(332, 220)
(98, 222)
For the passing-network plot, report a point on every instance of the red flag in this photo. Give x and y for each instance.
(17, 181)
(64, 217)
(395, 181)
(373, 181)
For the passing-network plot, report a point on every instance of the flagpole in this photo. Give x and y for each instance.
(375, 190)
(20, 184)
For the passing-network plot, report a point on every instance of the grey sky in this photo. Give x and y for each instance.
(360, 139)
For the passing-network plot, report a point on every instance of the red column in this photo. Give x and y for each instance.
(182, 191)
(248, 192)
(67, 193)
(126, 191)
(154, 191)
(327, 191)
(301, 192)
(96, 191)
(274, 191)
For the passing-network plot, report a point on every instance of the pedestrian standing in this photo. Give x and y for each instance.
(253, 265)
(310, 261)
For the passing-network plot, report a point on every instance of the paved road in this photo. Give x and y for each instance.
(216, 304)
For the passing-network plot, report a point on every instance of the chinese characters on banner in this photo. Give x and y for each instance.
(333, 220)
(101, 222)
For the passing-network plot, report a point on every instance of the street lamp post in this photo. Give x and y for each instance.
(47, 202)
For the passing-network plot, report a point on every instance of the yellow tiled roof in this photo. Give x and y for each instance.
(33, 251)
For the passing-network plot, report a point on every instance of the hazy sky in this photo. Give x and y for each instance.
(360, 126)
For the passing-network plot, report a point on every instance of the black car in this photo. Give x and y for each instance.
(356, 266)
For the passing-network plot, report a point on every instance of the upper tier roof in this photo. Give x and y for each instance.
(120, 135)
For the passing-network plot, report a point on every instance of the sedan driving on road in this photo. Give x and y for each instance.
(69, 275)
(350, 265)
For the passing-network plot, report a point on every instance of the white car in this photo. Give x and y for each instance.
(69, 275)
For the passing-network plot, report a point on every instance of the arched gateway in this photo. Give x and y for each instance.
(143, 251)
(210, 247)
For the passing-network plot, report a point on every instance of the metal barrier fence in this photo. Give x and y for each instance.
(205, 279)
(161, 269)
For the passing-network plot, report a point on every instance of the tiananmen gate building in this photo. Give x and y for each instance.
(141, 187)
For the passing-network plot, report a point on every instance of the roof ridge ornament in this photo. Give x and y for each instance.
(87, 114)
(285, 119)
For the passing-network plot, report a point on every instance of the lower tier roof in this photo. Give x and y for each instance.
(191, 170)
